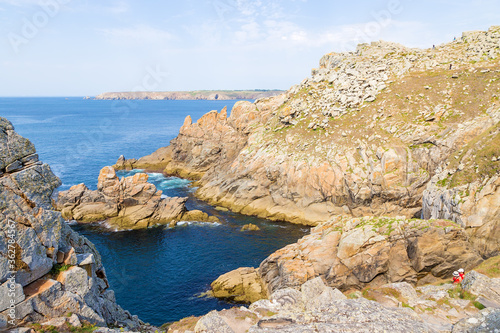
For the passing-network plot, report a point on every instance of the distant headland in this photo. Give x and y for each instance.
(191, 95)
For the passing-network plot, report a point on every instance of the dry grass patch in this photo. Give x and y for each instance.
(490, 267)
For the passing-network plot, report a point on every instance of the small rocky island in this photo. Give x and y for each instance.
(129, 203)
(391, 153)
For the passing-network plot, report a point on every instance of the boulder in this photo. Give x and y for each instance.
(75, 280)
(242, 285)
(250, 227)
(484, 287)
(212, 322)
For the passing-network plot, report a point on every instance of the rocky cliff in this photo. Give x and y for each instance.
(367, 134)
(191, 95)
(47, 271)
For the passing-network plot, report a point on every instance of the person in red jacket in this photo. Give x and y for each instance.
(456, 277)
(461, 273)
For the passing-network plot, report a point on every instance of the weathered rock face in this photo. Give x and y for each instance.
(34, 238)
(130, 203)
(487, 289)
(315, 308)
(475, 206)
(486, 321)
(352, 253)
(363, 136)
(357, 252)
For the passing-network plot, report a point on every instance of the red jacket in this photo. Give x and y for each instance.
(457, 279)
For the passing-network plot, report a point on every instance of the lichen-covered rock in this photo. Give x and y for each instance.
(486, 321)
(130, 203)
(319, 308)
(212, 323)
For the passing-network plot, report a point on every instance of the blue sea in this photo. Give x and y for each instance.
(159, 274)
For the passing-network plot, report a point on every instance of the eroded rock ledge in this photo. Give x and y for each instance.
(129, 203)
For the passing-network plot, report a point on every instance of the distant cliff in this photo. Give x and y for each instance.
(191, 95)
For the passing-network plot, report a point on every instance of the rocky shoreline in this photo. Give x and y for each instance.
(374, 141)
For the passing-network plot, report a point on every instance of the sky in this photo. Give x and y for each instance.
(87, 47)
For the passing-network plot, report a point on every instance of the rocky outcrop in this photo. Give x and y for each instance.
(363, 136)
(487, 289)
(250, 227)
(357, 252)
(315, 308)
(37, 246)
(242, 285)
(393, 307)
(129, 203)
(190, 95)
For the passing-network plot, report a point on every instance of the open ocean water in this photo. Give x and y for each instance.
(159, 273)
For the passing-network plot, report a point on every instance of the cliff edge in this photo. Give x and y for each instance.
(48, 273)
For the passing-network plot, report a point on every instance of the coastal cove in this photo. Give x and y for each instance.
(159, 273)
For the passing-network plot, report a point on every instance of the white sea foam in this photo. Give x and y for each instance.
(208, 224)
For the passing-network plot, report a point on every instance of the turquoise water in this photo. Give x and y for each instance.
(160, 273)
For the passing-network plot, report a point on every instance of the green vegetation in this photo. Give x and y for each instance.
(58, 268)
(478, 305)
(458, 292)
(67, 328)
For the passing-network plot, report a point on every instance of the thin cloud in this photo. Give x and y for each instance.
(137, 34)
(119, 7)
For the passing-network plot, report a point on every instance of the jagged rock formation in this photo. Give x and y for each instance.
(191, 95)
(364, 136)
(34, 240)
(129, 203)
(357, 252)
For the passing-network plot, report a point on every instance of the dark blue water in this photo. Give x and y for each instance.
(160, 273)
